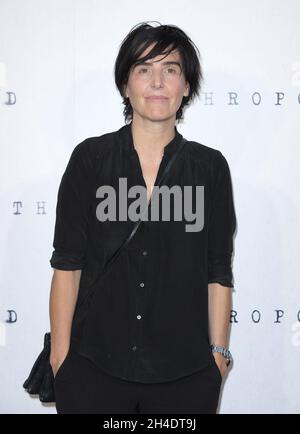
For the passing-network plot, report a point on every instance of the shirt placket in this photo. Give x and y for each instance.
(140, 258)
(139, 255)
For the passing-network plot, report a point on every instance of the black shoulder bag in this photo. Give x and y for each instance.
(41, 378)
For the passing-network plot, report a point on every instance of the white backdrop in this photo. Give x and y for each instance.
(57, 88)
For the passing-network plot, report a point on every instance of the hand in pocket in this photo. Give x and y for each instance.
(56, 367)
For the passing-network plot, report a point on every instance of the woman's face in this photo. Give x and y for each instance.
(160, 76)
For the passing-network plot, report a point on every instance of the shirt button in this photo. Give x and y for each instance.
(142, 284)
(145, 253)
(139, 317)
(134, 348)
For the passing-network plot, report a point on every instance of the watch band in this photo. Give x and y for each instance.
(222, 350)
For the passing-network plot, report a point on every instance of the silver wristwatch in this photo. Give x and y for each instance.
(222, 350)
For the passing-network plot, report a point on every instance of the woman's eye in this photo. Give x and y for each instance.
(174, 71)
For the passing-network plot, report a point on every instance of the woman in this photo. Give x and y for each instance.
(149, 334)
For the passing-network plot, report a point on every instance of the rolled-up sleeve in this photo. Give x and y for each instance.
(222, 224)
(73, 213)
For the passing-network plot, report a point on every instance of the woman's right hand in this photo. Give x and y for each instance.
(56, 362)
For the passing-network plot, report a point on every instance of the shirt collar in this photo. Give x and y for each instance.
(125, 134)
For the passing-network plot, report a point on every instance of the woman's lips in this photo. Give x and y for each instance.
(157, 98)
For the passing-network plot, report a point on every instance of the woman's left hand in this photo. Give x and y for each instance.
(221, 363)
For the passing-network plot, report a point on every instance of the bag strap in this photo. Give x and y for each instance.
(136, 225)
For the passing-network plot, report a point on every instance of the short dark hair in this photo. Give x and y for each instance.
(139, 39)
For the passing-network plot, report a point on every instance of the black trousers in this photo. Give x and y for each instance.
(81, 387)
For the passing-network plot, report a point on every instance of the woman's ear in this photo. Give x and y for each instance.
(187, 91)
(125, 91)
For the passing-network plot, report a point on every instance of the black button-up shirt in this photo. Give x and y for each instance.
(146, 318)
